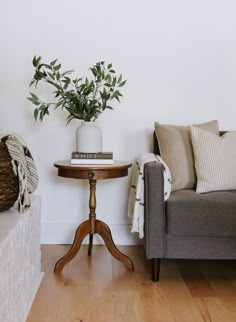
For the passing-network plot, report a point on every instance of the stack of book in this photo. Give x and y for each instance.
(92, 158)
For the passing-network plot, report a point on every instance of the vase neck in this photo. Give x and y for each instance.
(88, 122)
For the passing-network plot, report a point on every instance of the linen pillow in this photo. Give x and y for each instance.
(215, 160)
(177, 152)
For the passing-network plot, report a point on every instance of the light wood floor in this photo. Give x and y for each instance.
(99, 288)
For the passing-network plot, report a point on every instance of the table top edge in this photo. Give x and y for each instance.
(118, 164)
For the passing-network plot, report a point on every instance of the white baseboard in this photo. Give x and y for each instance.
(63, 233)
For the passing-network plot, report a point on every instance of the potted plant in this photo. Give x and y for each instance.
(82, 98)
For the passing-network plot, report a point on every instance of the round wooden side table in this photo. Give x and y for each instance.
(92, 226)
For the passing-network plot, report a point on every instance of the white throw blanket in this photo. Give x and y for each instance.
(136, 196)
(23, 167)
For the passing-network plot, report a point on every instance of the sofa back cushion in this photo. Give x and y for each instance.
(177, 152)
(215, 160)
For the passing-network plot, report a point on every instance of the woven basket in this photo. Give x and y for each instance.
(9, 185)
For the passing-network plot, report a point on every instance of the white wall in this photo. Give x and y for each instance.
(179, 58)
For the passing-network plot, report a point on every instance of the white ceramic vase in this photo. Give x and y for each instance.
(89, 137)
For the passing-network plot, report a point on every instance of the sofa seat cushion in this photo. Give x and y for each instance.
(191, 214)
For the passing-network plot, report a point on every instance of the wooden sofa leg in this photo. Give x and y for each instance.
(155, 269)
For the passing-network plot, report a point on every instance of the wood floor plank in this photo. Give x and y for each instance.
(128, 306)
(230, 303)
(122, 278)
(212, 310)
(51, 254)
(201, 305)
(74, 304)
(198, 284)
(47, 300)
(99, 288)
(94, 269)
(154, 306)
(176, 295)
(222, 286)
(101, 305)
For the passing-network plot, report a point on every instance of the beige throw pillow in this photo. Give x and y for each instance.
(177, 152)
(215, 160)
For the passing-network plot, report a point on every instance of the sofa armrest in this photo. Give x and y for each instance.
(154, 210)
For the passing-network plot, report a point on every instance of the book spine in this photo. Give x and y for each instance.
(91, 161)
(80, 155)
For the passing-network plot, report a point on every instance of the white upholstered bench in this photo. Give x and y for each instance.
(20, 256)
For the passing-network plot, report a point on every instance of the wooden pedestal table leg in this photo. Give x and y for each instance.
(92, 209)
(83, 230)
(90, 244)
(86, 228)
(104, 231)
(90, 227)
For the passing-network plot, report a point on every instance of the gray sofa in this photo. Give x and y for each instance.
(188, 225)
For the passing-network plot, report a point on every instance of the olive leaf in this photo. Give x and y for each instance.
(82, 98)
